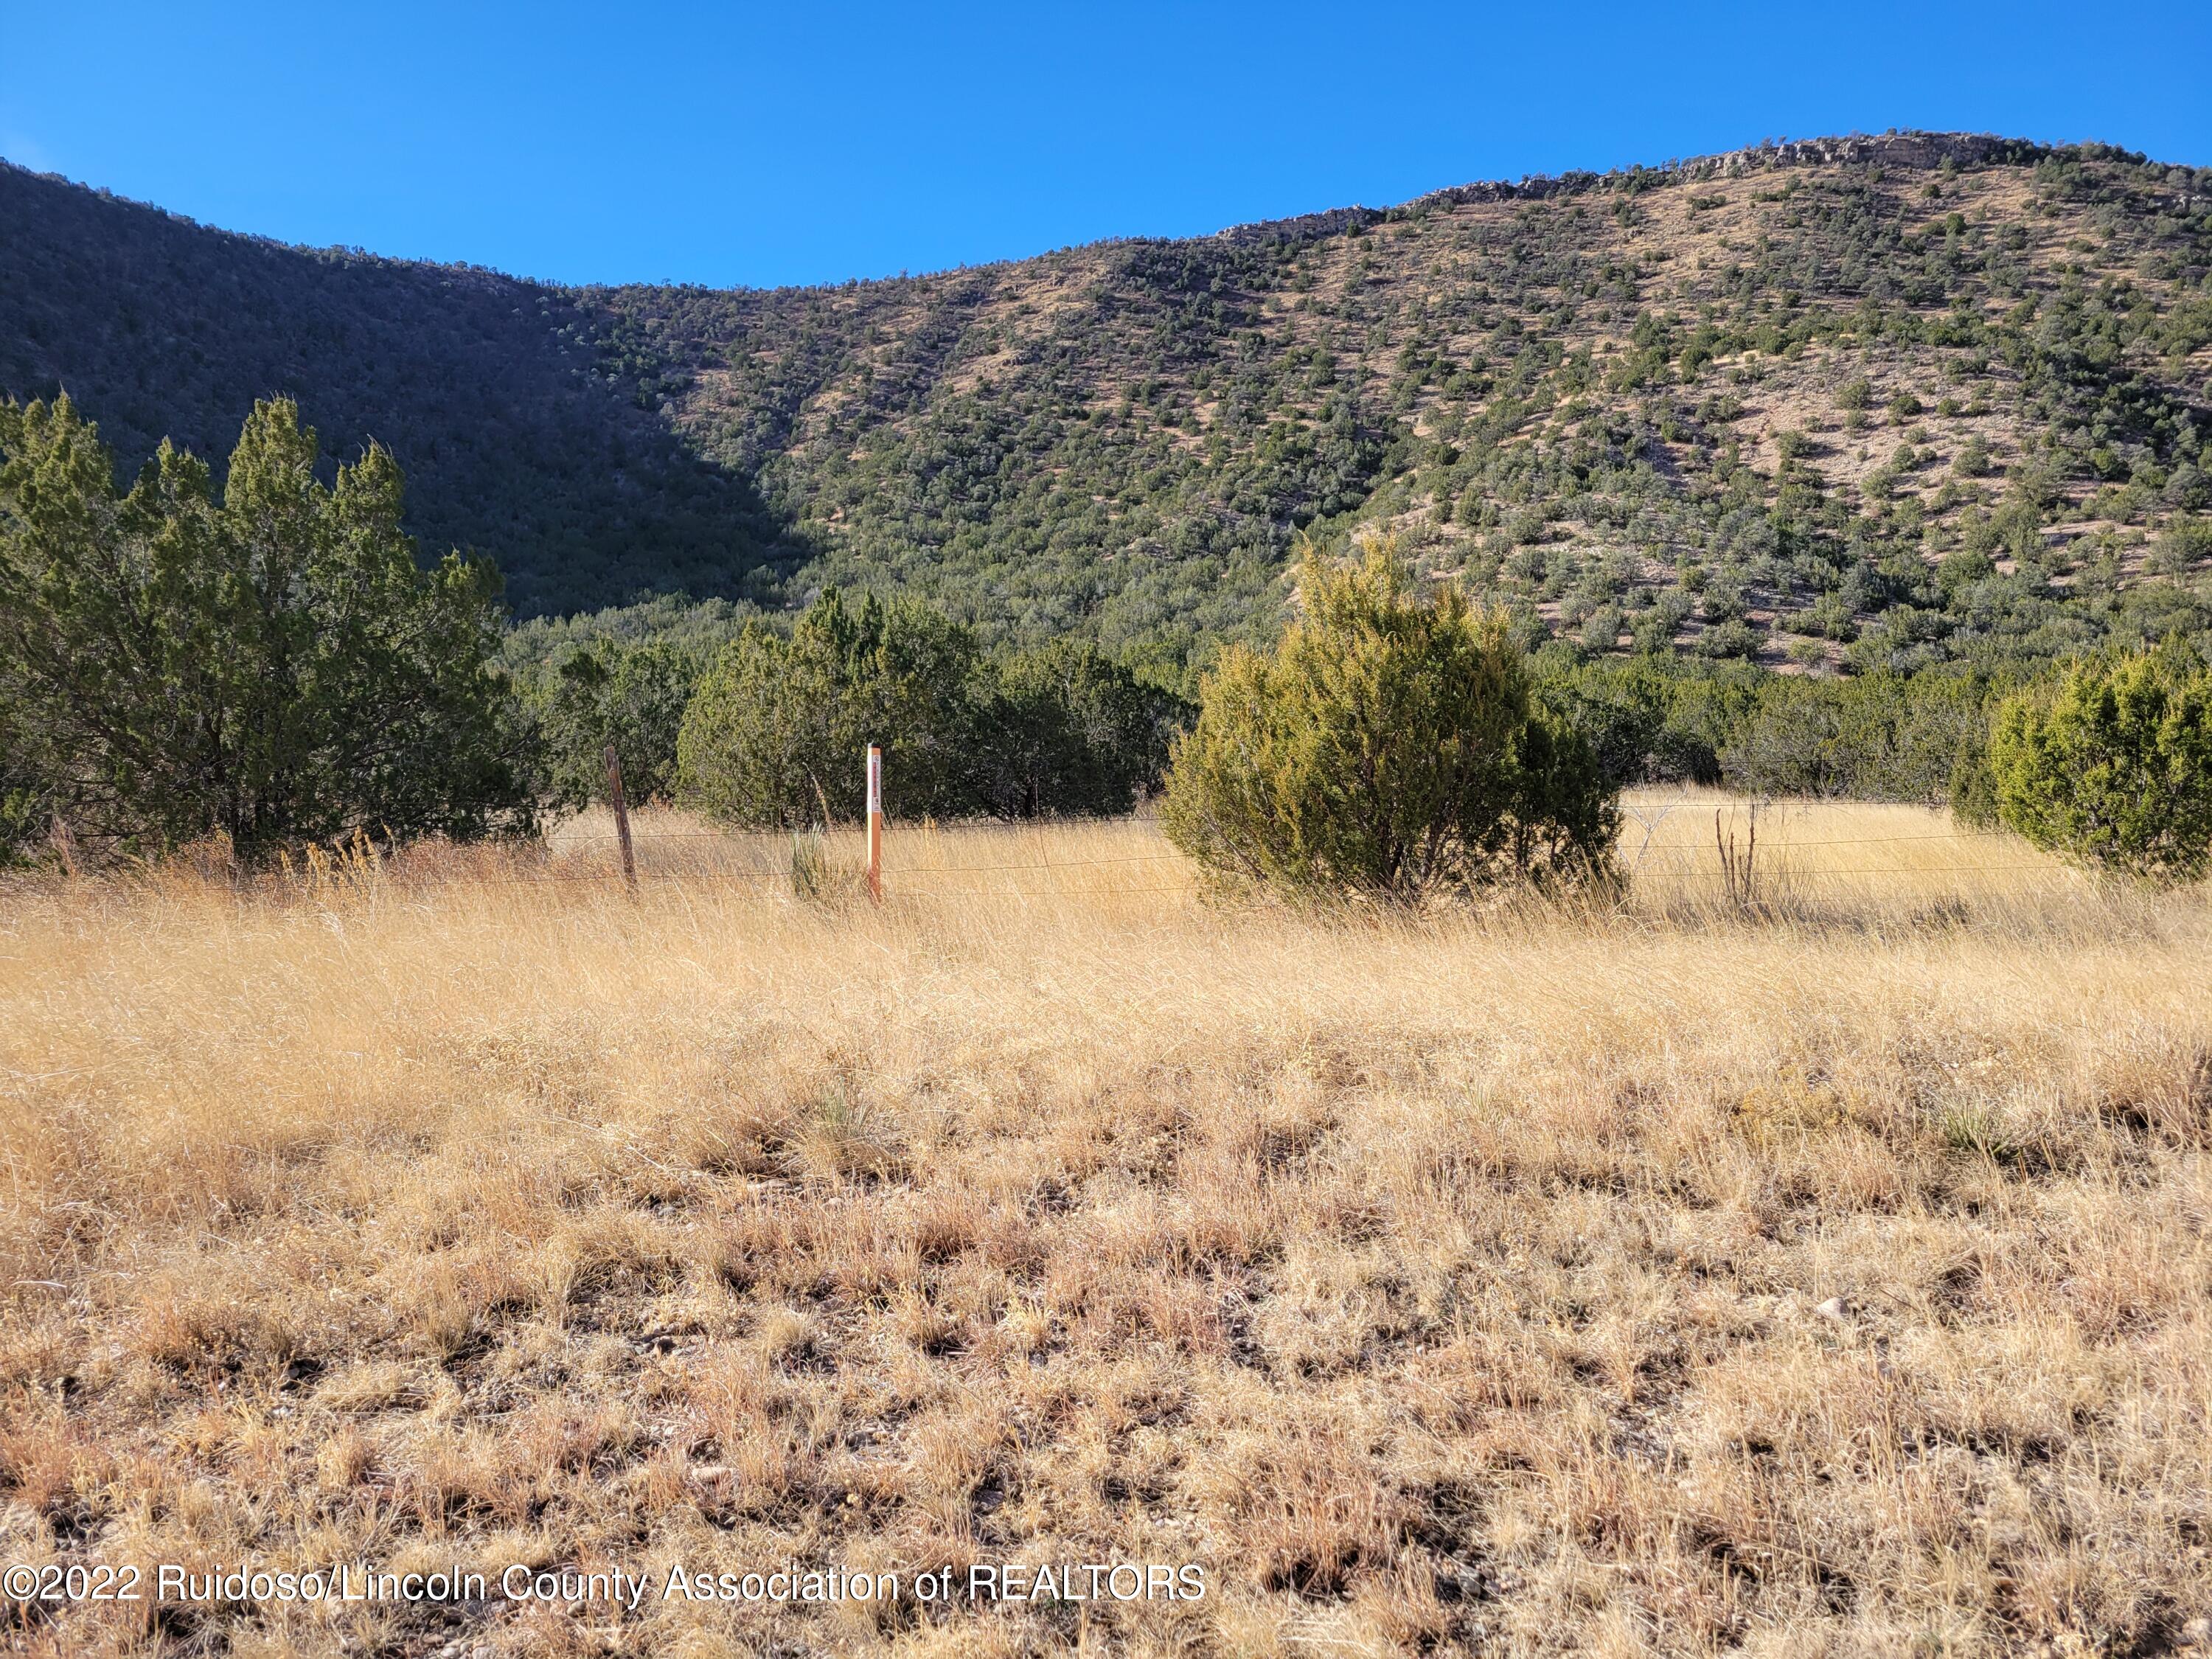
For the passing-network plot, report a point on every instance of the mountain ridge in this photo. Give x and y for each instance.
(1903, 148)
(1122, 438)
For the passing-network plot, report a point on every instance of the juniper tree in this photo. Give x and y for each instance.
(1387, 746)
(267, 662)
(2113, 767)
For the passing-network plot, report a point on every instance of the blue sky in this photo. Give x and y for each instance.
(740, 144)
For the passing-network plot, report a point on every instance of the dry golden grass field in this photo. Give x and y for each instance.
(1824, 1276)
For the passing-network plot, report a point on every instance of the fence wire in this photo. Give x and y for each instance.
(917, 883)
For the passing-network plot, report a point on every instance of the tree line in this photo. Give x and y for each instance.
(766, 729)
(269, 663)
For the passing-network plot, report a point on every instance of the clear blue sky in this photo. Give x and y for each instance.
(746, 144)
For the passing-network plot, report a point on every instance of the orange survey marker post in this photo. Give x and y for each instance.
(875, 822)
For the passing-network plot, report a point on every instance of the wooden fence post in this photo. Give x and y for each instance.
(622, 818)
(64, 846)
(875, 822)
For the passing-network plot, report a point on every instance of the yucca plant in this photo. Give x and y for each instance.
(812, 876)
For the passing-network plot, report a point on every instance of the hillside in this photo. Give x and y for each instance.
(512, 443)
(1865, 401)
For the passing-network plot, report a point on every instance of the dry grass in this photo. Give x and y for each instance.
(1825, 1276)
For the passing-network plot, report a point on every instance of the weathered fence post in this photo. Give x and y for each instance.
(875, 822)
(622, 818)
(64, 846)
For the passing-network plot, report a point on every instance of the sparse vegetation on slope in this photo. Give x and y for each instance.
(1866, 403)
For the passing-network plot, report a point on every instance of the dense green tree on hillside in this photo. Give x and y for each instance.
(2113, 765)
(1388, 745)
(1645, 722)
(269, 663)
(1066, 729)
(26, 809)
(628, 697)
(776, 732)
(1879, 735)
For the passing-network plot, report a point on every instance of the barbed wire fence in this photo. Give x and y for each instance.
(1649, 864)
(1664, 864)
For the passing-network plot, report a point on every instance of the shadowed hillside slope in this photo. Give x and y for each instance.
(1876, 401)
(514, 442)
